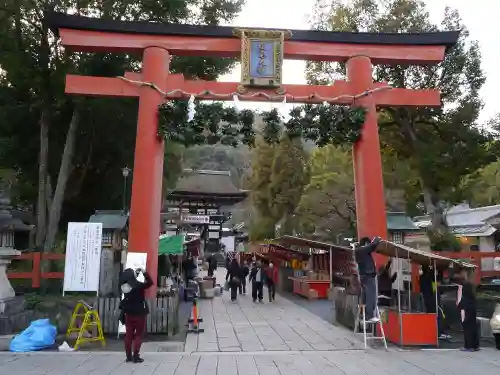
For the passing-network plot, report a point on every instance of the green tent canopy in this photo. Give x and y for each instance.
(171, 245)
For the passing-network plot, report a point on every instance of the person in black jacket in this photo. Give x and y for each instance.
(368, 275)
(245, 272)
(466, 303)
(135, 310)
(235, 275)
(257, 277)
(212, 265)
(385, 281)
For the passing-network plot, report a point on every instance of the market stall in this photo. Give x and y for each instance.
(403, 323)
(313, 279)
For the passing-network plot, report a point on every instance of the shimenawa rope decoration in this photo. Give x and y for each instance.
(195, 123)
(256, 94)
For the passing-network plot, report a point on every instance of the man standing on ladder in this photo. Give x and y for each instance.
(368, 275)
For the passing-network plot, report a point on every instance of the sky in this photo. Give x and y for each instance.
(480, 17)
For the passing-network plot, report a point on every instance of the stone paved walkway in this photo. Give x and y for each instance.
(245, 326)
(352, 362)
(250, 327)
(244, 338)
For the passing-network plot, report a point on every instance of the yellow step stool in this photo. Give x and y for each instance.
(89, 318)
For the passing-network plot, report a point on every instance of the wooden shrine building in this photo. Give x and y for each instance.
(200, 204)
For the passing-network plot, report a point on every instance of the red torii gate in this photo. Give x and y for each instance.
(157, 42)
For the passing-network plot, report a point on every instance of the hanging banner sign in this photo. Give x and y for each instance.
(83, 257)
(196, 219)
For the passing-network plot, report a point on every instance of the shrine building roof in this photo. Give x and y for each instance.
(64, 21)
(207, 185)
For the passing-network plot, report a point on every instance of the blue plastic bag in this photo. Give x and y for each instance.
(39, 335)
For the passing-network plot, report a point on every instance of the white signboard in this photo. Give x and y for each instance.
(134, 261)
(83, 257)
(196, 219)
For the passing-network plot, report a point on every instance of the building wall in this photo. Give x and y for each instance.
(211, 232)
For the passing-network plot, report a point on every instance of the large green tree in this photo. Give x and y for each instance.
(483, 186)
(38, 117)
(328, 207)
(276, 182)
(259, 180)
(444, 144)
(288, 178)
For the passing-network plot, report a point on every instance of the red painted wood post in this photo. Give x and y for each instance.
(37, 270)
(368, 180)
(148, 164)
(415, 278)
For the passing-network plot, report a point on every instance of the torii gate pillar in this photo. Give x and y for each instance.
(147, 179)
(368, 179)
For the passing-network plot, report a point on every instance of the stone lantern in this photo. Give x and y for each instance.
(7, 251)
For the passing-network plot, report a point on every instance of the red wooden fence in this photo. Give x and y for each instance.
(36, 275)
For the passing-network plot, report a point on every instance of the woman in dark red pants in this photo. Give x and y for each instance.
(135, 310)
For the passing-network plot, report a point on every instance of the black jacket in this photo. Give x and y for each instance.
(426, 281)
(385, 280)
(363, 255)
(468, 301)
(245, 270)
(253, 274)
(212, 262)
(234, 271)
(134, 301)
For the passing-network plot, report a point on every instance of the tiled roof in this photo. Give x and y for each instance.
(398, 221)
(463, 216)
(207, 182)
(110, 219)
(476, 230)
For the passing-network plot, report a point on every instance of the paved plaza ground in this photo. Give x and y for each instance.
(245, 326)
(243, 338)
(350, 362)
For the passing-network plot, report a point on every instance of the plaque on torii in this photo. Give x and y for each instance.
(154, 85)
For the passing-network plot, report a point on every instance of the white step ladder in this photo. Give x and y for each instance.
(361, 317)
(361, 313)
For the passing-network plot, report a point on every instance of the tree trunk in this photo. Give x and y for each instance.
(41, 209)
(62, 179)
(439, 226)
(433, 207)
(48, 194)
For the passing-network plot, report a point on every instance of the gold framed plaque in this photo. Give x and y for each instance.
(261, 57)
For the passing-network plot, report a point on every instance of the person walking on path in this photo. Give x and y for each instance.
(257, 276)
(234, 273)
(466, 303)
(212, 265)
(134, 309)
(245, 272)
(368, 275)
(271, 280)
